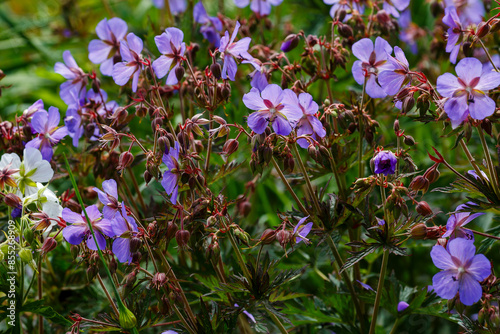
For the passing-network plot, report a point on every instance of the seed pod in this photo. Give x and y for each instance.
(283, 237)
(345, 30)
(419, 231)
(230, 147)
(49, 244)
(423, 209)
(125, 160)
(419, 183)
(409, 140)
(25, 255)
(268, 236)
(179, 73)
(216, 70)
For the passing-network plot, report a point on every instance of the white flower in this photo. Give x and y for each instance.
(33, 169)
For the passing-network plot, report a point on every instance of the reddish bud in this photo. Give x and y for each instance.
(125, 160)
(423, 209)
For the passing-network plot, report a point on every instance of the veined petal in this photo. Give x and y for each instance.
(468, 69)
(447, 84)
(257, 121)
(273, 93)
(469, 289)
(479, 267)
(441, 258)
(481, 107)
(445, 283)
(362, 49)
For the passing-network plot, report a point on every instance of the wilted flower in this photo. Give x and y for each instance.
(462, 270)
(172, 47)
(210, 25)
(456, 222)
(131, 65)
(271, 105)
(372, 60)
(103, 51)
(454, 32)
(467, 94)
(230, 50)
(78, 230)
(259, 7)
(46, 125)
(77, 79)
(170, 181)
(385, 163)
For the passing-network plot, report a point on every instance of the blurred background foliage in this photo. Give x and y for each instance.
(33, 36)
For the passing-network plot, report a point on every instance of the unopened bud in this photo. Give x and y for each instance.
(182, 238)
(345, 30)
(230, 147)
(125, 160)
(49, 244)
(75, 251)
(268, 236)
(26, 255)
(12, 200)
(113, 265)
(482, 29)
(423, 209)
(290, 43)
(467, 48)
(179, 73)
(91, 272)
(409, 140)
(419, 183)
(396, 125)
(127, 318)
(135, 244)
(419, 231)
(216, 70)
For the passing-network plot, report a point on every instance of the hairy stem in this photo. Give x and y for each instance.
(380, 288)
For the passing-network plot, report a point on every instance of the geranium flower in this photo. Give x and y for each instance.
(467, 94)
(79, 230)
(172, 47)
(392, 80)
(393, 7)
(131, 65)
(372, 60)
(385, 163)
(46, 125)
(469, 11)
(300, 232)
(109, 198)
(347, 5)
(125, 228)
(308, 124)
(9, 165)
(170, 181)
(176, 6)
(454, 32)
(210, 25)
(77, 79)
(33, 169)
(271, 105)
(230, 50)
(259, 7)
(103, 51)
(462, 271)
(456, 222)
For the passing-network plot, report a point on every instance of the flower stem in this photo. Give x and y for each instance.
(306, 178)
(489, 162)
(241, 261)
(380, 287)
(290, 190)
(471, 160)
(488, 55)
(40, 294)
(485, 235)
(111, 302)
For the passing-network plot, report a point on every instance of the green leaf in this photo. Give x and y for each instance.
(358, 256)
(46, 311)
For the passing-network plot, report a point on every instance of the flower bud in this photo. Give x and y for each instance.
(49, 244)
(75, 251)
(487, 126)
(135, 244)
(313, 153)
(26, 255)
(418, 231)
(432, 174)
(127, 318)
(423, 209)
(141, 111)
(482, 29)
(182, 238)
(495, 25)
(345, 30)
(179, 73)
(125, 160)
(242, 235)
(147, 176)
(290, 43)
(419, 183)
(467, 48)
(28, 235)
(409, 140)
(157, 122)
(341, 14)
(216, 70)
(12, 200)
(268, 236)
(244, 207)
(89, 130)
(408, 104)
(113, 265)
(171, 230)
(96, 85)
(230, 147)
(283, 237)
(91, 272)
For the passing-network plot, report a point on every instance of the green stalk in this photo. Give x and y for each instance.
(491, 167)
(123, 310)
(380, 287)
(290, 190)
(241, 261)
(277, 322)
(306, 178)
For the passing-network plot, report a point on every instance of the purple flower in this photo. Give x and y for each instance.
(467, 94)
(408, 31)
(109, 198)
(170, 181)
(79, 229)
(230, 50)
(454, 32)
(373, 59)
(469, 11)
(271, 105)
(172, 47)
(348, 6)
(462, 271)
(392, 80)
(259, 80)
(385, 163)
(487, 66)
(131, 65)
(473, 173)
(393, 7)
(124, 227)
(300, 232)
(77, 79)
(456, 222)
(46, 125)
(402, 306)
(259, 7)
(365, 286)
(308, 124)
(210, 25)
(248, 314)
(176, 6)
(102, 51)
(37, 106)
